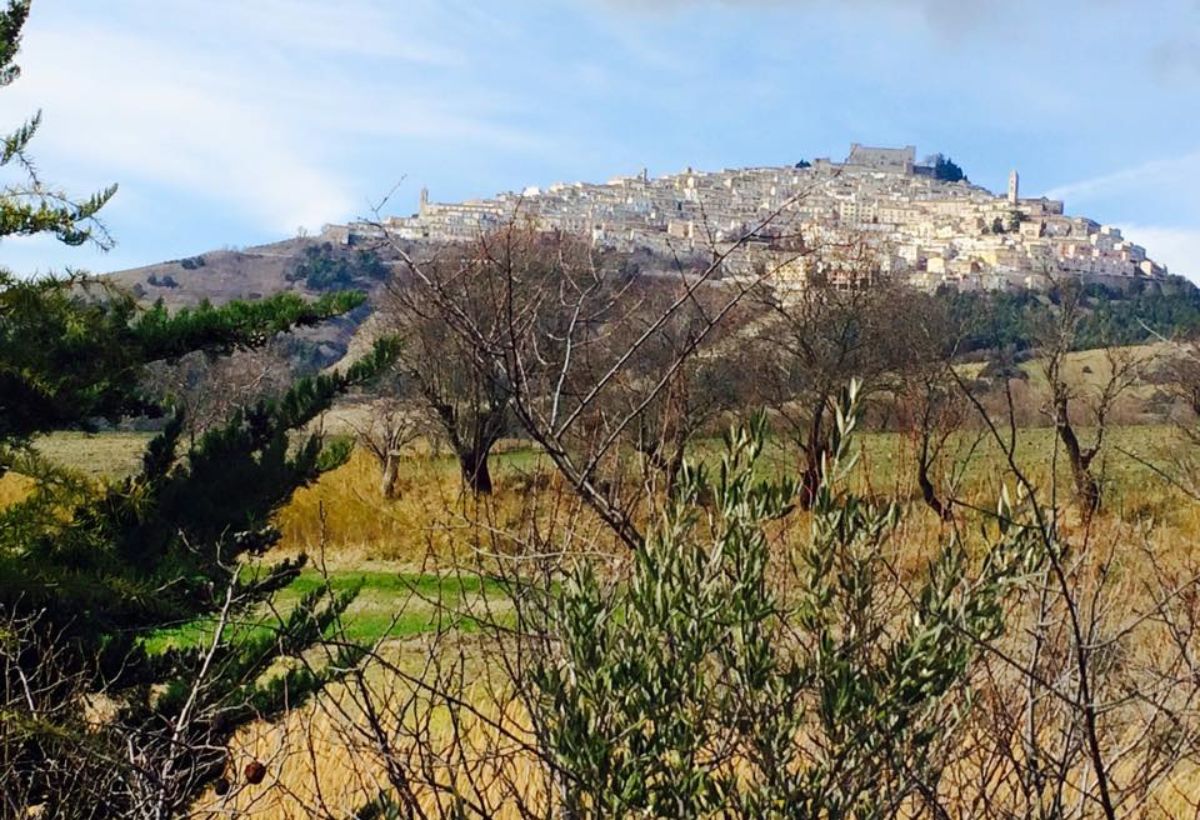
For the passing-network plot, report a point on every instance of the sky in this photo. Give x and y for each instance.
(237, 122)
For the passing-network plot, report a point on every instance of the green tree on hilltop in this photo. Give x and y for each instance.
(945, 169)
(321, 268)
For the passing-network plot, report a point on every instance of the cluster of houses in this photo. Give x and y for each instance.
(822, 218)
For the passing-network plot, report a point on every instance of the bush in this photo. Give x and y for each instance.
(1002, 370)
(322, 268)
(690, 688)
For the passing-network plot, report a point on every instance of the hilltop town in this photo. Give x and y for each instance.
(932, 231)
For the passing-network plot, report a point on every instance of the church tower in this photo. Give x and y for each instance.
(424, 203)
(1014, 188)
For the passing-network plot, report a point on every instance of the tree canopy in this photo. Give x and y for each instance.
(1009, 319)
(945, 169)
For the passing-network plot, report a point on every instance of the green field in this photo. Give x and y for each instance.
(390, 604)
(885, 463)
(115, 455)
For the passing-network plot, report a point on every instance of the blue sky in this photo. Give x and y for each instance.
(234, 122)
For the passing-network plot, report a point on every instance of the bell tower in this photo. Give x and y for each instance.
(1014, 187)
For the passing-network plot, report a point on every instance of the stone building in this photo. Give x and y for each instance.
(936, 233)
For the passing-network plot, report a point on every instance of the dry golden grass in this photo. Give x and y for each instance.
(345, 512)
(320, 763)
(14, 488)
(433, 520)
(1122, 571)
(91, 456)
(96, 455)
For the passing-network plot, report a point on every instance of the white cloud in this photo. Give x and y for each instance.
(137, 110)
(349, 27)
(953, 15)
(1177, 248)
(1150, 202)
(1182, 172)
(252, 107)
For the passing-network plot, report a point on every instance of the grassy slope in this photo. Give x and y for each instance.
(226, 274)
(96, 455)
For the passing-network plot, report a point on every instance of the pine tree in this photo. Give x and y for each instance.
(33, 207)
(92, 724)
(164, 547)
(72, 350)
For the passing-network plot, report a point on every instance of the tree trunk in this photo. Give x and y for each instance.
(391, 472)
(1086, 485)
(815, 453)
(475, 472)
(810, 481)
(671, 466)
(675, 466)
(929, 492)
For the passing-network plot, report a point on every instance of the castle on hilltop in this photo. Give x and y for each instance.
(917, 226)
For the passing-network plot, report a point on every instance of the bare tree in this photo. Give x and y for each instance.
(454, 384)
(713, 381)
(930, 408)
(817, 338)
(47, 695)
(388, 418)
(206, 388)
(1080, 721)
(546, 321)
(1184, 382)
(72, 747)
(1121, 372)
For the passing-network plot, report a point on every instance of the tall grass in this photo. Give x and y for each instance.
(14, 488)
(344, 515)
(433, 520)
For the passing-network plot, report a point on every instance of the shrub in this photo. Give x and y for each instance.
(692, 688)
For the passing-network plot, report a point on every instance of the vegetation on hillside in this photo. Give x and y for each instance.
(322, 268)
(1009, 320)
(945, 169)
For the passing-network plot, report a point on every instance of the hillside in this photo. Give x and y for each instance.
(220, 276)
